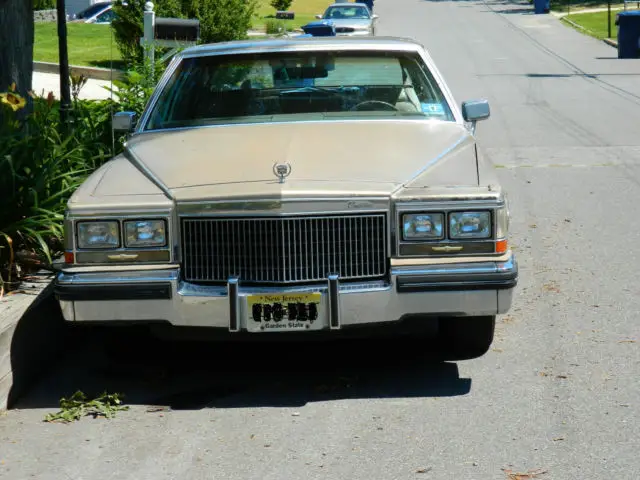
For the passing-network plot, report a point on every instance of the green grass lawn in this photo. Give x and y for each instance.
(577, 5)
(89, 45)
(595, 23)
(305, 11)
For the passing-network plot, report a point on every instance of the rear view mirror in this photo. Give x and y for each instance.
(374, 16)
(474, 111)
(318, 16)
(124, 122)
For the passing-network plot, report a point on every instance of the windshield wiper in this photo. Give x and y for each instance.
(310, 88)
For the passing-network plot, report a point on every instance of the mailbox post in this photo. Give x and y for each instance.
(173, 33)
(149, 26)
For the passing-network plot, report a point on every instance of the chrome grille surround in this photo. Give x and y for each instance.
(284, 249)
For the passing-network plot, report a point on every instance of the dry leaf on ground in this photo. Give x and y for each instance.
(511, 475)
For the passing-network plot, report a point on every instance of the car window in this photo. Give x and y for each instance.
(106, 17)
(300, 86)
(92, 10)
(346, 12)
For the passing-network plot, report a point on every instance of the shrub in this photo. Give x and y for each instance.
(274, 27)
(281, 5)
(41, 167)
(44, 4)
(128, 24)
(221, 20)
(42, 164)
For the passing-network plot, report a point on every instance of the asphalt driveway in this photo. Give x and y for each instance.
(557, 392)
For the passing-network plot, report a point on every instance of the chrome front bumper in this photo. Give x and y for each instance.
(460, 289)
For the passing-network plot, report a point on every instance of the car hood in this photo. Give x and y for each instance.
(363, 157)
(351, 22)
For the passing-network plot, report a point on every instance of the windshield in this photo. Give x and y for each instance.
(296, 87)
(346, 12)
(92, 10)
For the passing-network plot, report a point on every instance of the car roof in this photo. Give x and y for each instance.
(293, 44)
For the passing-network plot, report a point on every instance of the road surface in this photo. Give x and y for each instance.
(557, 392)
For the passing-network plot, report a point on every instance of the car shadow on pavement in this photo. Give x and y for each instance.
(195, 375)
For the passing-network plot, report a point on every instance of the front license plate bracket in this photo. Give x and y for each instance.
(285, 312)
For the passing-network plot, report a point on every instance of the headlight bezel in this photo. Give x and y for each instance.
(79, 254)
(448, 245)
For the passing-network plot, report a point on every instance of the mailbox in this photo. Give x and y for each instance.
(177, 29)
(285, 15)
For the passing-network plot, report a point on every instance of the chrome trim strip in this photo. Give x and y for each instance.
(162, 83)
(282, 206)
(460, 269)
(234, 304)
(111, 278)
(432, 162)
(334, 301)
(186, 289)
(136, 162)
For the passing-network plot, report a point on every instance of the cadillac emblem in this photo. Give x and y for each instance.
(282, 171)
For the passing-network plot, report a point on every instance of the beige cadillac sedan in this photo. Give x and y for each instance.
(296, 188)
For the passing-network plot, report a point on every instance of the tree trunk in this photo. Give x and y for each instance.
(16, 39)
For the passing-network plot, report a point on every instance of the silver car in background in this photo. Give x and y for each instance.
(351, 19)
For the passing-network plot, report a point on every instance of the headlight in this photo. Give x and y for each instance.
(145, 233)
(98, 234)
(469, 225)
(422, 226)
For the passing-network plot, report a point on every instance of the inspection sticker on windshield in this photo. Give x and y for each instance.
(432, 108)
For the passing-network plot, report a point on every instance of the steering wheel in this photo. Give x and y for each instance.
(369, 102)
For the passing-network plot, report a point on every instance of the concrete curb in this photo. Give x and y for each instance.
(610, 42)
(89, 72)
(32, 337)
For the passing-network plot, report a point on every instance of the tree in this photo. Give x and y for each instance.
(281, 5)
(16, 38)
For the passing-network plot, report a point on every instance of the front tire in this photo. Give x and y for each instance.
(465, 338)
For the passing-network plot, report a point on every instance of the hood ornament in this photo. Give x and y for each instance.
(282, 171)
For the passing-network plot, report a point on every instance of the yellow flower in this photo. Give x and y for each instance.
(13, 100)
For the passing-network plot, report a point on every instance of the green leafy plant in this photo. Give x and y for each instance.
(281, 5)
(133, 92)
(275, 27)
(128, 24)
(222, 20)
(78, 406)
(42, 164)
(44, 4)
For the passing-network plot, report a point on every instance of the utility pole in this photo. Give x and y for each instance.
(65, 88)
(609, 18)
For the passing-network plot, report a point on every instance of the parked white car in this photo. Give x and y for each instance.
(99, 13)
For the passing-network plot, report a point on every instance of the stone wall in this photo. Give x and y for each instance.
(45, 16)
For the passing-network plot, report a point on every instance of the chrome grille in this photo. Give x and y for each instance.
(284, 249)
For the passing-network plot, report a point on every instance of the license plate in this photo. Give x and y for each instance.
(284, 312)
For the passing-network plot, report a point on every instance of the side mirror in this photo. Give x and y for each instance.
(123, 122)
(474, 111)
(319, 17)
(374, 16)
